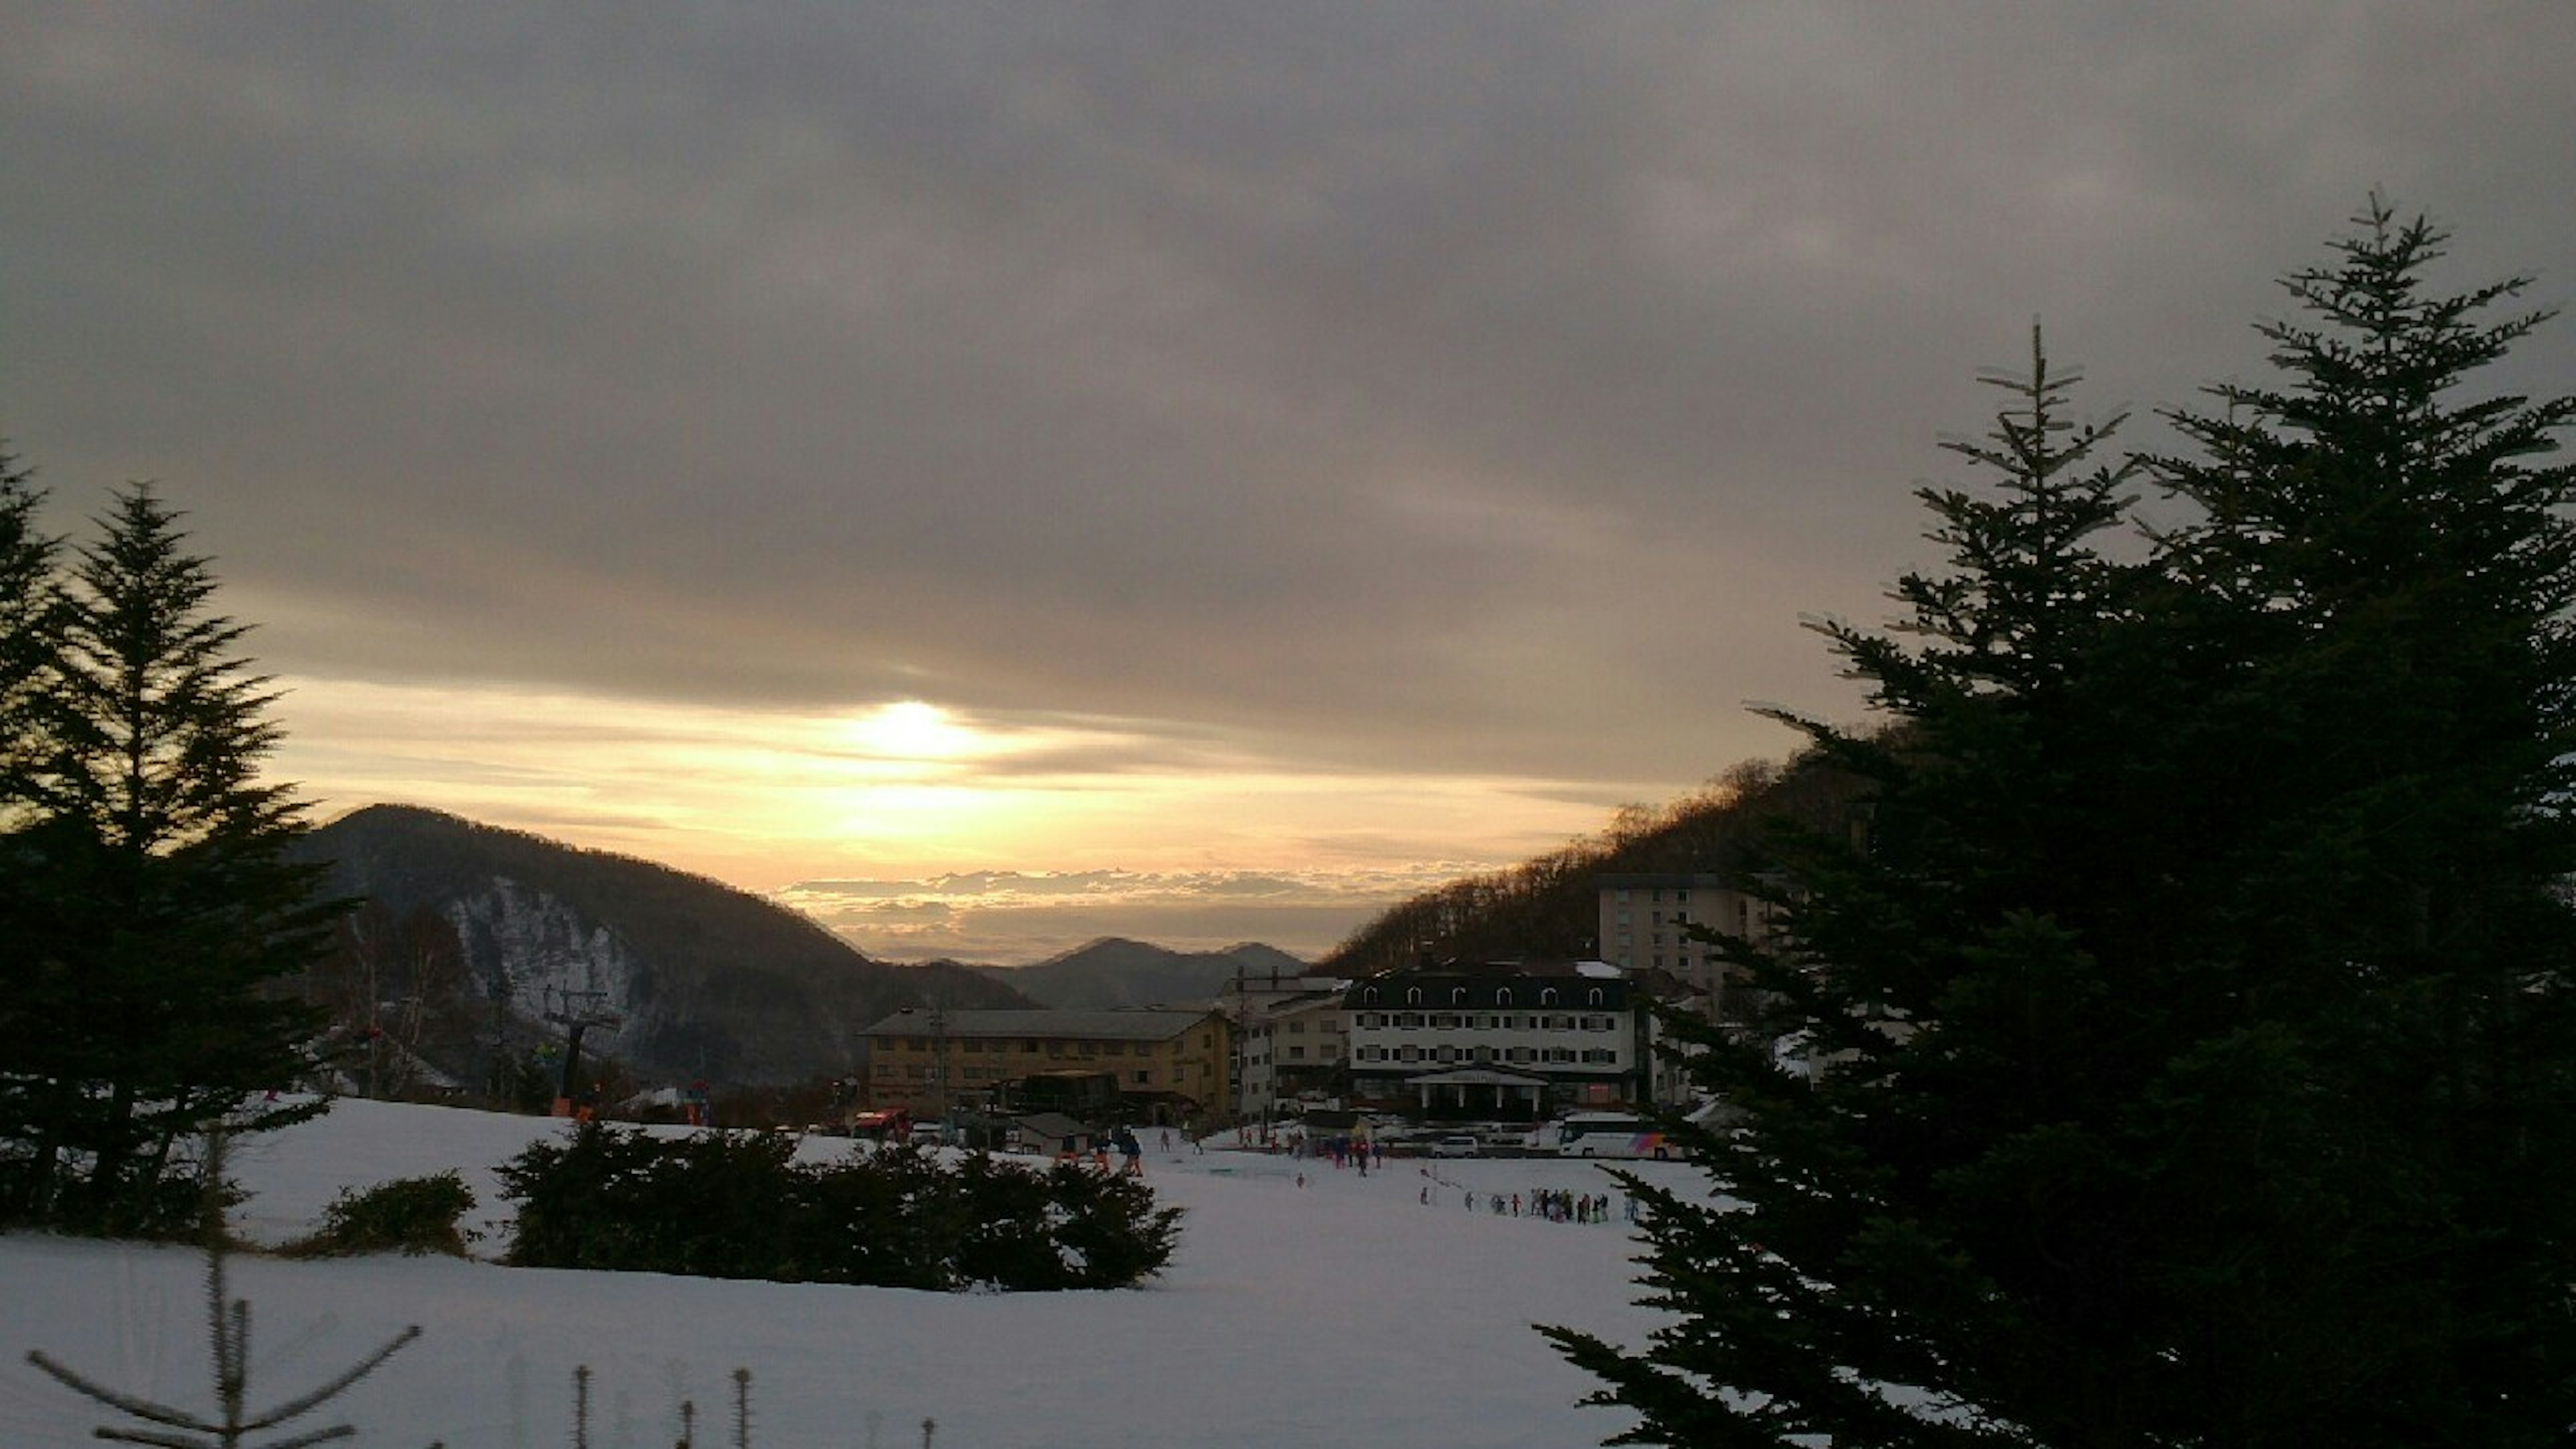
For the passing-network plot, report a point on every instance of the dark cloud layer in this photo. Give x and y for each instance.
(1420, 387)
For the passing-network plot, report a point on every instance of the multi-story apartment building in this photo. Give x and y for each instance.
(928, 1061)
(1512, 1039)
(1646, 925)
(1289, 1039)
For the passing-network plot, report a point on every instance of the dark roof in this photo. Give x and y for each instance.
(1484, 988)
(1063, 1025)
(1661, 880)
(1475, 1077)
(1051, 1124)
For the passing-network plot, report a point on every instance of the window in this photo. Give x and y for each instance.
(1413, 996)
(1368, 996)
(1144, 1077)
(1547, 996)
(1445, 1055)
(1503, 996)
(1408, 1054)
(1446, 1022)
(1594, 998)
(1484, 1054)
(1372, 1054)
(1298, 1028)
(1457, 996)
(1521, 1054)
(1409, 1021)
(1119, 1048)
(1296, 1054)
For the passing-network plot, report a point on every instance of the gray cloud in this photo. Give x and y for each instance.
(1447, 389)
(1016, 917)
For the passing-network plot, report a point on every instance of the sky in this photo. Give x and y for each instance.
(996, 475)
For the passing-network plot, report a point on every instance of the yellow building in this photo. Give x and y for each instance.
(927, 1061)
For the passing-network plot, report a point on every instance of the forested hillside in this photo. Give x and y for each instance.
(1549, 907)
(473, 934)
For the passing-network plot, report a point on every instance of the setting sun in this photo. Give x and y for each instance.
(913, 729)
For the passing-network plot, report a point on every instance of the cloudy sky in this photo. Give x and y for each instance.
(1017, 472)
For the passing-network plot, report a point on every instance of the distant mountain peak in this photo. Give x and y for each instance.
(1114, 971)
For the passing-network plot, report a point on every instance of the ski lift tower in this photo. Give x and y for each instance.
(576, 1012)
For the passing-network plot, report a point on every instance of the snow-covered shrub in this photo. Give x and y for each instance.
(738, 1206)
(412, 1215)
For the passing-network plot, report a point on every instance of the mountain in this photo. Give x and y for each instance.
(1113, 972)
(709, 982)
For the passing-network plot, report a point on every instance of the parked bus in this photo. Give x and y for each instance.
(1609, 1134)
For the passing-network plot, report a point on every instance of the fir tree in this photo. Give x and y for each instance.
(2190, 1061)
(26, 576)
(2404, 573)
(152, 900)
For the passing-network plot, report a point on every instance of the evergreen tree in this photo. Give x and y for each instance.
(2190, 1059)
(153, 900)
(26, 575)
(2403, 574)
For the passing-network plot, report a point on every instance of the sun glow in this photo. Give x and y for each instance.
(913, 729)
(904, 789)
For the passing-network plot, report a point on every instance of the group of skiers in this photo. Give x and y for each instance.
(1556, 1205)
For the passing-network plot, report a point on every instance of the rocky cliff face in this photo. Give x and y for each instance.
(531, 950)
(708, 982)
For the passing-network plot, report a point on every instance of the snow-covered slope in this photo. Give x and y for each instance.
(1344, 1312)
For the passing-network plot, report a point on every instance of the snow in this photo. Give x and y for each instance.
(1343, 1312)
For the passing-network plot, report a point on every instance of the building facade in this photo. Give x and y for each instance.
(1507, 1039)
(1647, 920)
(1289, 1039)
(931, 1061)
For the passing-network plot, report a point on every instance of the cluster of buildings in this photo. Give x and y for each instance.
(1491, 1040)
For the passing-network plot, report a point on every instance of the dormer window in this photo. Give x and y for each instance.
(1368, 996)
(1457, 996)
(1595, 997)
(1503, 996)
(1547, 996)
(1413, 996)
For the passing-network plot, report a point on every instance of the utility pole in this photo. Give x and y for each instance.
(939, 1065)
(576, 1012)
